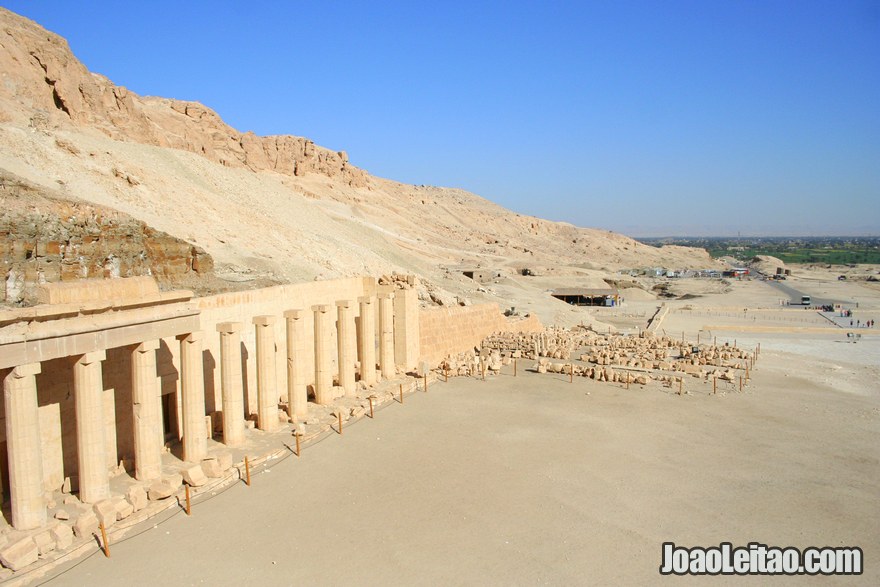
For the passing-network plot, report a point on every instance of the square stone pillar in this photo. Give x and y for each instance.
(367, 340)
(323, 369)
(345, 346)
(386, 336)
(297, 396)
(231, 388)
(192, 391)
(91, 443)
(145, 400)
(23, 448)
(267, 390)
(406, 328)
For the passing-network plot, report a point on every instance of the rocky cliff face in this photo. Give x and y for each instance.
(131, 184)
(46, 239)
(44, 83)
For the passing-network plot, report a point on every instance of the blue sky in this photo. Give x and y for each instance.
(648, 118)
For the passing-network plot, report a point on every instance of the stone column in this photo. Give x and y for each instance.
(192, 391)
(323, 370)
(297, 396)
(230, 383)
(91, 443)
(406, 328)
(386, 336)
(23, 448)
(147, 418)
(267, 390)
(345, 354)
(367, 341)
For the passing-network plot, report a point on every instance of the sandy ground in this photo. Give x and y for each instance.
(532, 480)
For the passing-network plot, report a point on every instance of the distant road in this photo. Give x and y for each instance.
(795, 295)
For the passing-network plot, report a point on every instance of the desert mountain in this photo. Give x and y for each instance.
(266, 209)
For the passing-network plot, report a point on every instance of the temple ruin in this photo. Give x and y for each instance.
(114, 380)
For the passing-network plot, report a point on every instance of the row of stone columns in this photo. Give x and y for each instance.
(349, 347)
(23, 430)
(22, 414)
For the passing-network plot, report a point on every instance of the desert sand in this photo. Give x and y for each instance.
(532, 479)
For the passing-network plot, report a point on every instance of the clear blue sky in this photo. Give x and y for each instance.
(649, 118)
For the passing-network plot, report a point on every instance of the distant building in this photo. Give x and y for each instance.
(481, 275)
(582, 296)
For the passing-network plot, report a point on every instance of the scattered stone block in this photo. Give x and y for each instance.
(45, 543)
(86, 524)
(62, 515)
(63, 536)
(162, 489)
(194, 476)
(137, 497)
(105, 510)
(19, 554)
(123, 508)
(211, 468)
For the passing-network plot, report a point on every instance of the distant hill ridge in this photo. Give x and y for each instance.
(266, 209)
(49, 79)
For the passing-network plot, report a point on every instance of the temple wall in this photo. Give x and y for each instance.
(447, 331)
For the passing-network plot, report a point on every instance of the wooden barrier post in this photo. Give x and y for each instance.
(680, 384)
(188, 501)
(714, 385)
(740, 382)
(401, 393)
(747, 371)
(514, 367)
(105, 546)
(571, 373)
(483, 368)
(247, 471)
(426, 383)
(445, 374)
(371, 406)
(698, 338)
(296, 435)
(627, 380)
(339, 418)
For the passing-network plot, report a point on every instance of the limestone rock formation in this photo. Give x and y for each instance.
(54, 90)
(45, 239)
(263, 210)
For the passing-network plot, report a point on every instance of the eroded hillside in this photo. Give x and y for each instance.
(266, 209)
